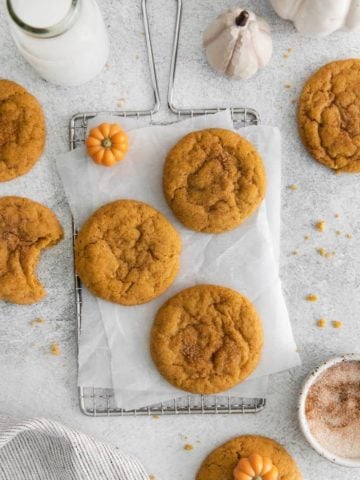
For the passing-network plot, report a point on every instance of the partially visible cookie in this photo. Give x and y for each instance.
(213, 180)
(127, 252)
(26, 228)
(329, 115)
(22, 130)
(220, 463)
(206, 339)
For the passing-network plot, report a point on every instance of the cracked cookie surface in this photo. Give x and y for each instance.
(26, 228)
(213, 180)
(206, 339)
(220, 463)
(22, 130)
(329, 115)
(127, 252)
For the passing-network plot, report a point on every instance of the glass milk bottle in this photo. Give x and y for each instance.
(64, 40)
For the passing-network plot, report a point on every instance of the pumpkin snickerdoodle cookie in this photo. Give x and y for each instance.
(26, 228)
(231, 460)
(127, 252)
(22, 130)
(329, 115)
(213, 180)
(206, 339)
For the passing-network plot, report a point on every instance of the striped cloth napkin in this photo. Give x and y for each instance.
(39, 449)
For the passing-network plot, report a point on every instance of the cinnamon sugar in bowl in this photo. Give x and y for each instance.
(329, 410)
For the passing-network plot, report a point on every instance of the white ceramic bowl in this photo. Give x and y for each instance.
(310, 380)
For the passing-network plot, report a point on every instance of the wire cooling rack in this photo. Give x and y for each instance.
(100, 401)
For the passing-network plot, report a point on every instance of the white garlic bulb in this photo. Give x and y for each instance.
(238, 43)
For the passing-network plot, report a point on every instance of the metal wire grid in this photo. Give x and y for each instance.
(100, 401)
(242, 116)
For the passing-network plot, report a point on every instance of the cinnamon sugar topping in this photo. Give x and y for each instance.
(333, 409)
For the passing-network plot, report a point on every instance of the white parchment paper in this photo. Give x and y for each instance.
(245, 259)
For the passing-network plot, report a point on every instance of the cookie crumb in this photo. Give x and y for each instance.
(155, 417)
(188, 447)
(320, 225)
(348, 235)
(337, 215)
(312, 297)
(295, 252)
(37, 321)
(55, 349)
(152, 477)
(293, 187)
(307, 237)
(287, 85)
(338, 232)
(321, 323)
(293, 101)
(324, 253)
(337, 324)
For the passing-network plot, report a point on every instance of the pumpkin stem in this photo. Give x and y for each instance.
(241, 20)
(106, 143)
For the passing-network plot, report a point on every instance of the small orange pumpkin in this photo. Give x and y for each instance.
(256, 467)
(107, 144)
